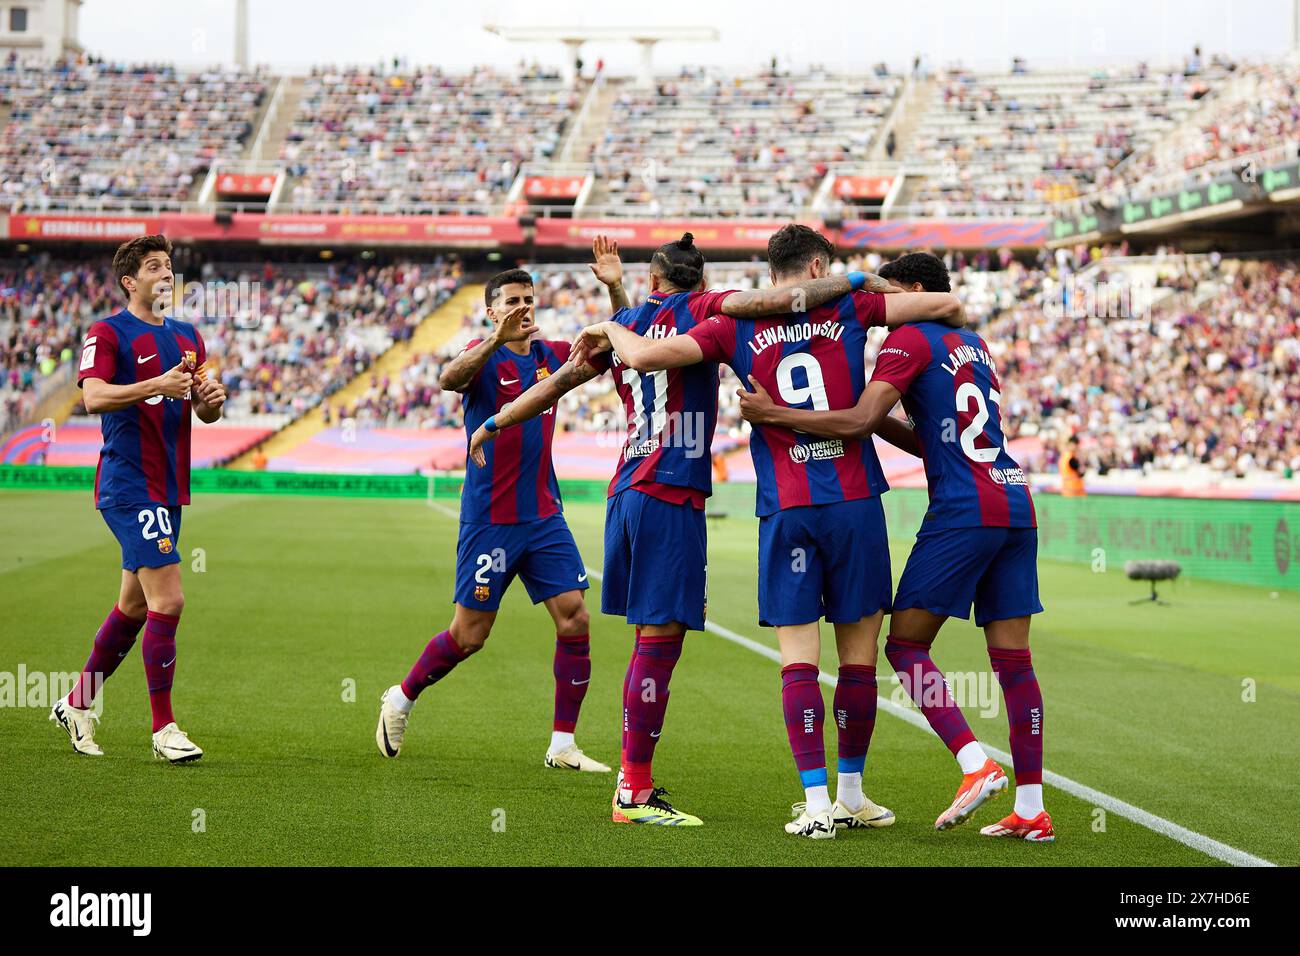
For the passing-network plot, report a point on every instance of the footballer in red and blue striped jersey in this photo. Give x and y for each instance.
(840, 564)
(142, 372)
(145, 459)
(511, 525)
(977, 543)
(511, 519)
(655, 540)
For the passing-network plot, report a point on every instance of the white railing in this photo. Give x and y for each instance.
(268, 119)
(580, 120)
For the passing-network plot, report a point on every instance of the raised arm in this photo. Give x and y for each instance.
(460, 371)
(861, 420)
(608, 268)
(539, 397)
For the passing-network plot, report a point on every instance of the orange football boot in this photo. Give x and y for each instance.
(987, 783)
(1037, 830)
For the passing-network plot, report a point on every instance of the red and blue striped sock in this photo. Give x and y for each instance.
(627, 682)
(159, 651)
(645, 703)
(439, 656)
(855, 714)
(805, 717)
(1024, 699)
(572, 669)
(113, 641)
(924, 683)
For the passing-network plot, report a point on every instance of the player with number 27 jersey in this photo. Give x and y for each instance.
(950, 390)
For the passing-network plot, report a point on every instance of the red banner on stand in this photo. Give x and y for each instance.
(642, 234)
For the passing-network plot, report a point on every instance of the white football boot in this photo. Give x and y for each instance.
(814, 826)
(571, 758)
(80, 725)
(392, 725)
(171, 744)
(870, 815)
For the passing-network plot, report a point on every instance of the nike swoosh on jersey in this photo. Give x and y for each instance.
(513, 381)
(145, 358)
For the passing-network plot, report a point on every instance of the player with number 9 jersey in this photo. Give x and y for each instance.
(817, 362)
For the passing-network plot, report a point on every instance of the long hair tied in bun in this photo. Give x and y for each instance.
(679, 263)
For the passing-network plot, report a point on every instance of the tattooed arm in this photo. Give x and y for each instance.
(539, 398)
(800, 297)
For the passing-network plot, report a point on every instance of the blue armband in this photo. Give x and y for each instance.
(490, 426)
(857, 280)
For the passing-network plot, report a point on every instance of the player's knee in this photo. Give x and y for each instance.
(133, 607)
(576, 621)
(471, 637)
(170, 604)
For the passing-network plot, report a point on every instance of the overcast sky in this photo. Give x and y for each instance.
(293, 34)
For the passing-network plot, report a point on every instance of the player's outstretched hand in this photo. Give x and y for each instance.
(211, 392)
(176, 382)
(480, 438)
(518, 324)
(756, 407)
(608, 267)
(591, 341)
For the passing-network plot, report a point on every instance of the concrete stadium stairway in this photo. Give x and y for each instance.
(430, 335)
(912, 106)
(577, 148)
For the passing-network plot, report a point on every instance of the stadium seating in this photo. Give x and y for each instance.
(1258, 110)
(1209, 379)
(95, 134)
(1012, 144)
(427, 139)
(317, 328)
(703, 143)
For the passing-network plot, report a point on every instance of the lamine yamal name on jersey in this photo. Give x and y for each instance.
(831, 329)
(963, 355)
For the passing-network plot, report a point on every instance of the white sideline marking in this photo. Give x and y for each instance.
(1197, 841)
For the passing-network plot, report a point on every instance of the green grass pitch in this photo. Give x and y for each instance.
(305, 598)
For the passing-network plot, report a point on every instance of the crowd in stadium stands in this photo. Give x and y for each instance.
(318, 330)
(421, 138)
(994, 143)
(1208, 375)
(142, 134)
(44, 313)
(701, 143)
(1258, 111)
(308, 332)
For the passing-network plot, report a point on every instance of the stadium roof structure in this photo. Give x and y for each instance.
(574, 37)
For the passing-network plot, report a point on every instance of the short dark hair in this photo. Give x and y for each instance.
(130, 254)
(680, 263)
(793, 247)
(921, 267)
(509, 277)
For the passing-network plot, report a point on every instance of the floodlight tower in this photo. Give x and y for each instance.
(574, 37)
(241, 34)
